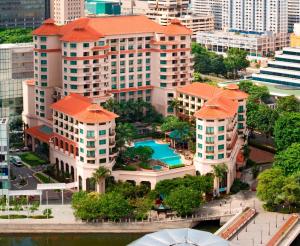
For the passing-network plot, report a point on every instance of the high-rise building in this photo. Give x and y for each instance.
(16, 64)
(4, 161)
(209, 7)
(255, 16)
(23, 13)
(293, 13)
(64, 11)
(220, 115)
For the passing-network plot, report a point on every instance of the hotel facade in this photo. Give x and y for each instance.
(122, 57)
(220, 116)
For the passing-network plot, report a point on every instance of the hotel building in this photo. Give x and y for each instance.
(257, 45)
(121, 57)
(4, 162)
(284, 70)
(220, 116)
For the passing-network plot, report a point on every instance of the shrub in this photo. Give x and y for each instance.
(13, 216)
(238, 185)
(176, 166)
(129, 168)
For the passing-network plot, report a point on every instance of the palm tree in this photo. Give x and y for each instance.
(175, 104)
(125, 133)
(219, 172)
(99, 176)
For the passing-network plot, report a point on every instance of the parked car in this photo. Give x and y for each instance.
(16, 160)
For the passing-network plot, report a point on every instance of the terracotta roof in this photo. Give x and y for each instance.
(233, 92)
(202, 90)
(218, 108)
(42, 132)
(90, 29)
(82, 109)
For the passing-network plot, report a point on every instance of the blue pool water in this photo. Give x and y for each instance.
(162, 152)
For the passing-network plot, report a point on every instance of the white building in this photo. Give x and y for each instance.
(293, 13)
(284, 70)
(64, 11)
(209, 7)
(256, 16)
(4, 162)
(258, 45)
(16, 64)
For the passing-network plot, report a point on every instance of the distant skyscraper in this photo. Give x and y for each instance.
(255, 15)
(64, 11)
(22, 13)
(293, 13)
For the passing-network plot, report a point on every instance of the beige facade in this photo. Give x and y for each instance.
(220, 116)
(64, 11)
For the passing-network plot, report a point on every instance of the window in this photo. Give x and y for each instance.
(209, 139)
(200, 146)
(200, 155)
(44, 62)
(209, 130)
(43, 54)
(73, 87)
(103, 141)
(200, 127)
(90, 144)
(103, 160)
(43, 69)
(209, 149)
(90, 134)
(240, 126)
(86, 45)
(220, 156)
(73, 78)
(240, 117)
(199, 136)
(241, 109)
(221, 147)
(81, 131)
(73, 45)
(73, 62)
(81, 140)
(102, 132)
(163, 77)
(221, 128)
(81, 150)
(90, 153)
(163, 85)
(221, 137)
(210, 157)
(43, 47)
(140, 83)
(102, 151)
(163, 54)
(73, 54)
(163, 47)
(101, 43)
(73, 70)
(81, 159)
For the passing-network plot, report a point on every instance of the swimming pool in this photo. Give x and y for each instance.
(162, 152)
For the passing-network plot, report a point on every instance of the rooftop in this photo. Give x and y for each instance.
(82, 109)
(91, 29)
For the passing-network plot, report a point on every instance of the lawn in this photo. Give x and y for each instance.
(32, 159)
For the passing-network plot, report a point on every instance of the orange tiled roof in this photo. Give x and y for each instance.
(82, 109)
(202, 90)
(86, 29)
(39, 133)
(218, 108)
(232, 91)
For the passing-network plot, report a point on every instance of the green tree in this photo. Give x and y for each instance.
(288, 160)
(245, 85)
(15, 35)
(290, 194)
(288, 104)
(287, 130)
(99, 176)
(142, 206)
(270, 183)
(114, 206)
(184, 200)
(144, 153)
(175, 104)
(169, 124)
(236, 60)
(126, 132)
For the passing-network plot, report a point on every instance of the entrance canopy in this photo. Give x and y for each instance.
(24, 193)
(51, 186)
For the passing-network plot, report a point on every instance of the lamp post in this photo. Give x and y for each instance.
(260, 236)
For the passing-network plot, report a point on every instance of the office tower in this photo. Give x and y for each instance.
(16, 64)
(22, 13)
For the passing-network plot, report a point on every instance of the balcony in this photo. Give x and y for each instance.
(112, 133)
(209, 133)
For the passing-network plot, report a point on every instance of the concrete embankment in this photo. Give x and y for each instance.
(91, 228)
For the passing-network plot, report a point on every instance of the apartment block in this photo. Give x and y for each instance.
(16, 64)
(198, 23)
(64, 11)
(4, 160)
(220, 115)
(293, 13)
(257, 45)
(283, 71)
(255, 16)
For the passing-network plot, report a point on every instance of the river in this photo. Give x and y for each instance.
(98, 239)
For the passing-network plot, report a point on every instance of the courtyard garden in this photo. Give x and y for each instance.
(32, 159)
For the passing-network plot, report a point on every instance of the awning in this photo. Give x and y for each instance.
(51, 186)
(24, 192)
(42, 133)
